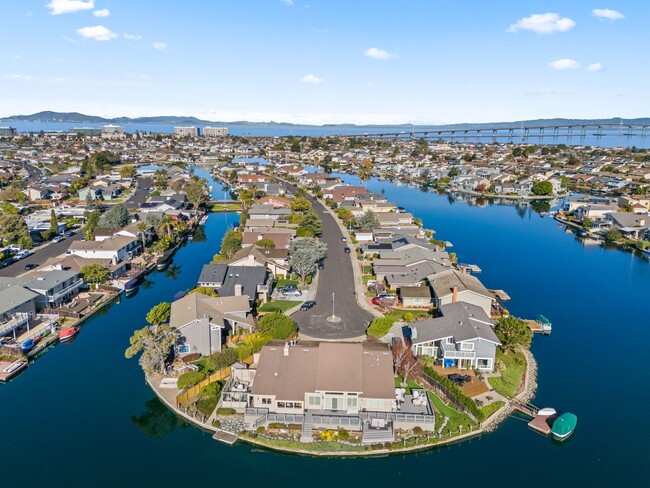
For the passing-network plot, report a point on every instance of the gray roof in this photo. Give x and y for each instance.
(443, 283)
(12, 296)
(460, 320)
(228, 276)
(257, 209)
(49, 279)
(195, 306)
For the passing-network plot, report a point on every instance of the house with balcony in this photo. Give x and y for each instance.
(54, 288)
(254, 281)
(462, 336)
(452, 286)
(17, 306)
(331, 385)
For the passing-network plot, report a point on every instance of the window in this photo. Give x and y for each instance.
(449, 340)
(280, 404)
(297, 405)
(266, 401)
(466, 346)
(314, 401)
(352, 402)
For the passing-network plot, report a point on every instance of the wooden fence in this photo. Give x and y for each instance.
(436, 387)
(189, 395)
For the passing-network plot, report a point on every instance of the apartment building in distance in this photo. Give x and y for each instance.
(215, 131)
(191, 131)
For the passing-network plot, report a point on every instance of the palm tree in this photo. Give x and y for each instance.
(142, 227)
(165, 225)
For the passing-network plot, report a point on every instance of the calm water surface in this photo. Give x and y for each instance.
(83, 416)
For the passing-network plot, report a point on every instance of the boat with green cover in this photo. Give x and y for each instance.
(564, 426)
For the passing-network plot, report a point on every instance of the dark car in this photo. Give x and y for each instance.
(321, 264)
(30, 266)
(307, 305)
(287, 288)
(69, 233)
(346, 249)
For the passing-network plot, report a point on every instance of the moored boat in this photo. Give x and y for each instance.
(68, 333)
(28, 345)
(131, 286)
(545, 324)
(564, 426)
(179, 295)
(546, 412)
(12, 369)
(164, 260)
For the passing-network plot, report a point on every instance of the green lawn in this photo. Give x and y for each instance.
(443, 408)
(397, 314)
(511, 377)
(463, 420)
(367, 277)
(302, 446)
(491, 408)
(410, 384)
(207, 404)
(278, 306)
(280, 283)
(202, 364)
(367, 269)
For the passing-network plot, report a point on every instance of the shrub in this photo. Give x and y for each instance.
(380, 326)
(213, 389)
(277, 325)
(343, 435)
(328, 435)
(243, 351)
(226, 411)
(222, 359)
(191, 357)
(407, 317)
(190, 379)
(260, 430)
(216, 423)
(417, 430)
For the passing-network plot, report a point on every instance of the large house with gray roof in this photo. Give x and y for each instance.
(457, 286)
(254, 281)
(462, 336)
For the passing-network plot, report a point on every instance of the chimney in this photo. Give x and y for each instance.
(436, 249)
(641, 222)
(454, 294)
(286, 348)
(463, 269)
(238, 290)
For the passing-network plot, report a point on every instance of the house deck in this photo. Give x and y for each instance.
(472, 389)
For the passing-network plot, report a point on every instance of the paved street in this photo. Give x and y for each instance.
(40, 255)
(337, 277)
(140, 194)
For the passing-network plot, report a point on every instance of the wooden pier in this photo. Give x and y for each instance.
(536, 327)
(225, 437)
(539, 423)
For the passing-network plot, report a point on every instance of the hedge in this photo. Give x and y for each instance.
(189, 379)
(380, 326)
(222, 359)
(277, 325)
(465, 401)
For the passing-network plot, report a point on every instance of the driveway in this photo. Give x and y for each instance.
(335, 278)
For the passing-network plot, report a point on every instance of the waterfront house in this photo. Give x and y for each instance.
(280, 237)
(266, 211)
(394, 219)
(462, 336)
(117, 248)
(17, 306)
(276, 261)
(415, 296)
(630, 224)
(202, 322)
(54, 287)
(254, 281)
(452, 286)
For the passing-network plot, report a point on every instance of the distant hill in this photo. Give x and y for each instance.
(78, 118)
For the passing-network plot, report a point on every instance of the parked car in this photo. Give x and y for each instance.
(343, 239)
(346, 249)
(371, 283)
(69, 233)
(6, 262)
(14, 247)
(58, 239)
(292, 293)
(307, 305)
(321, 264)
(21, 255)
(30, 266)
(288, 288)
(383, 297)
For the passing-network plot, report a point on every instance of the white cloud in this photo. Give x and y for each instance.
(159, 45)
(132, 37)
(15, 77)
(564, 64)
(288, 3)
(595, 67)
(97, 32)
(69, 6)
(547, 23)
(606, 13)
(311, 79)
(102, 13)
(376, 53)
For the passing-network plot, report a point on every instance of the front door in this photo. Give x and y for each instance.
(335, 403)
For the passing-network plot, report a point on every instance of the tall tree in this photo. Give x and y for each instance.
(513, 332)
(159, 314)
(231, 243)
(13, 229)
(367, 221)
(304, 254)
(155, 343)
(54, 223)
(117, 216)
(94, 273)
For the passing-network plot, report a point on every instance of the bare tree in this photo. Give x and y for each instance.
(405, 361)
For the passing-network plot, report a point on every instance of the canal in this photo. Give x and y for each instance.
(83, 416)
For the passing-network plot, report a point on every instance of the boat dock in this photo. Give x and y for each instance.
(225, 437)
(541, 325)
(539, 423)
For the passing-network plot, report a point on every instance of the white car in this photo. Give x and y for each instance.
(21, 255)
(14, 247)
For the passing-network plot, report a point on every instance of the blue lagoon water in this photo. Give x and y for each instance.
(82, 415)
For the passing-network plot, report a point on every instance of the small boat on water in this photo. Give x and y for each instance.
(582, 233)
(37, 339)
(131, 286)
(164, 260)
(546, 412)
(14, 368)
(564, 426)
(68, 333)
(179, 295)
(28, 345)
(545, 324)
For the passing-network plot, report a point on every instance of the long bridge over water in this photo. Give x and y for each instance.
(511, 132)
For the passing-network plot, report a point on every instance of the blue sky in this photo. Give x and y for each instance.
(327, 61)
